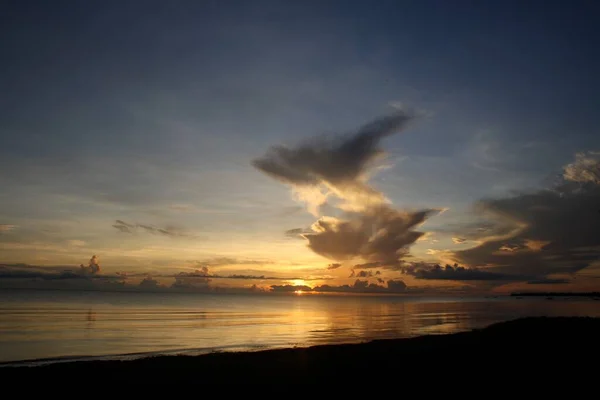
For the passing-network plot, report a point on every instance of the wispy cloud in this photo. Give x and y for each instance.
(125, 227)
(6, 228)
(222, 261)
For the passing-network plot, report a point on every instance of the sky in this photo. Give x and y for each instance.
(319, 146)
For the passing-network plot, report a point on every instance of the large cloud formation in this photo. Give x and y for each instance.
(371, 231)
(338, 165)
(555, 231)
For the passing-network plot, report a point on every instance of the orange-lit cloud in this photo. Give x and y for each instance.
(371, 230)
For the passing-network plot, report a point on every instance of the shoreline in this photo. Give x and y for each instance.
(529, 343)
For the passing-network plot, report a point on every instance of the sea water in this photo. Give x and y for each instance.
(61, 325)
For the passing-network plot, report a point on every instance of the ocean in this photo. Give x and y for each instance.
(53, 326)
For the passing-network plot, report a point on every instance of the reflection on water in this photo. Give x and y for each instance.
(42, 325)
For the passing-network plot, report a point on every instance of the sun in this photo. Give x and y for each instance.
(299, 291)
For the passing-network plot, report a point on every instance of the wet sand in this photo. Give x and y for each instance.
(505, 352)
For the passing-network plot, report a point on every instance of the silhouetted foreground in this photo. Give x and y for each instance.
(502, 354)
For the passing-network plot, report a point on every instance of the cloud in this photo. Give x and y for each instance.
(83, 278)
(456, 273)
(149, 283)
(76, 243)
(364, 274)
(93, 266)
(296, 232)
(204, 272)
(24, 271)
(459, 240)
(221, 261)
(125, 227)
(585, 168)
(199, 278)
(182, 207)
(480, 230)
(396, 285)
(6, 228)
(8, 272)
(359, 286)
(369, 229)
(334, 266)
(290, 288)
(338, 163)
(379, 236)
(555, 230)
(368, 265)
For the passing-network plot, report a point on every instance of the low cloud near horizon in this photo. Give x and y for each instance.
(551, 231)
(359, 286)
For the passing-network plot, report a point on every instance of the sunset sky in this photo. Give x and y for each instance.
(289, 146)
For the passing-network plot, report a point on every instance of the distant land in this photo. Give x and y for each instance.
(557, 294)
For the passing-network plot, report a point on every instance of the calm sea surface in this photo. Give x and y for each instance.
(52, 324)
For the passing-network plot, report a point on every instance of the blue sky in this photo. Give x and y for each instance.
(152, 112)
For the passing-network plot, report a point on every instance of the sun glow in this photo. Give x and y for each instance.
(299, 292)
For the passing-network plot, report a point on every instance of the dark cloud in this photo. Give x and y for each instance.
(296, 232)
(476, 231)
(455, 273)
(125, 227)
(334, 266)
(363, 274)
(554, 231)
(93, 266)
(380, 236)
(338, 161)
(58, 277)
(24, 271)
(396, 285)
(204, 272)
(360, 286)
(199, 278)
(37, 273)
(368, 265)
(149, 283)
(35, 277)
